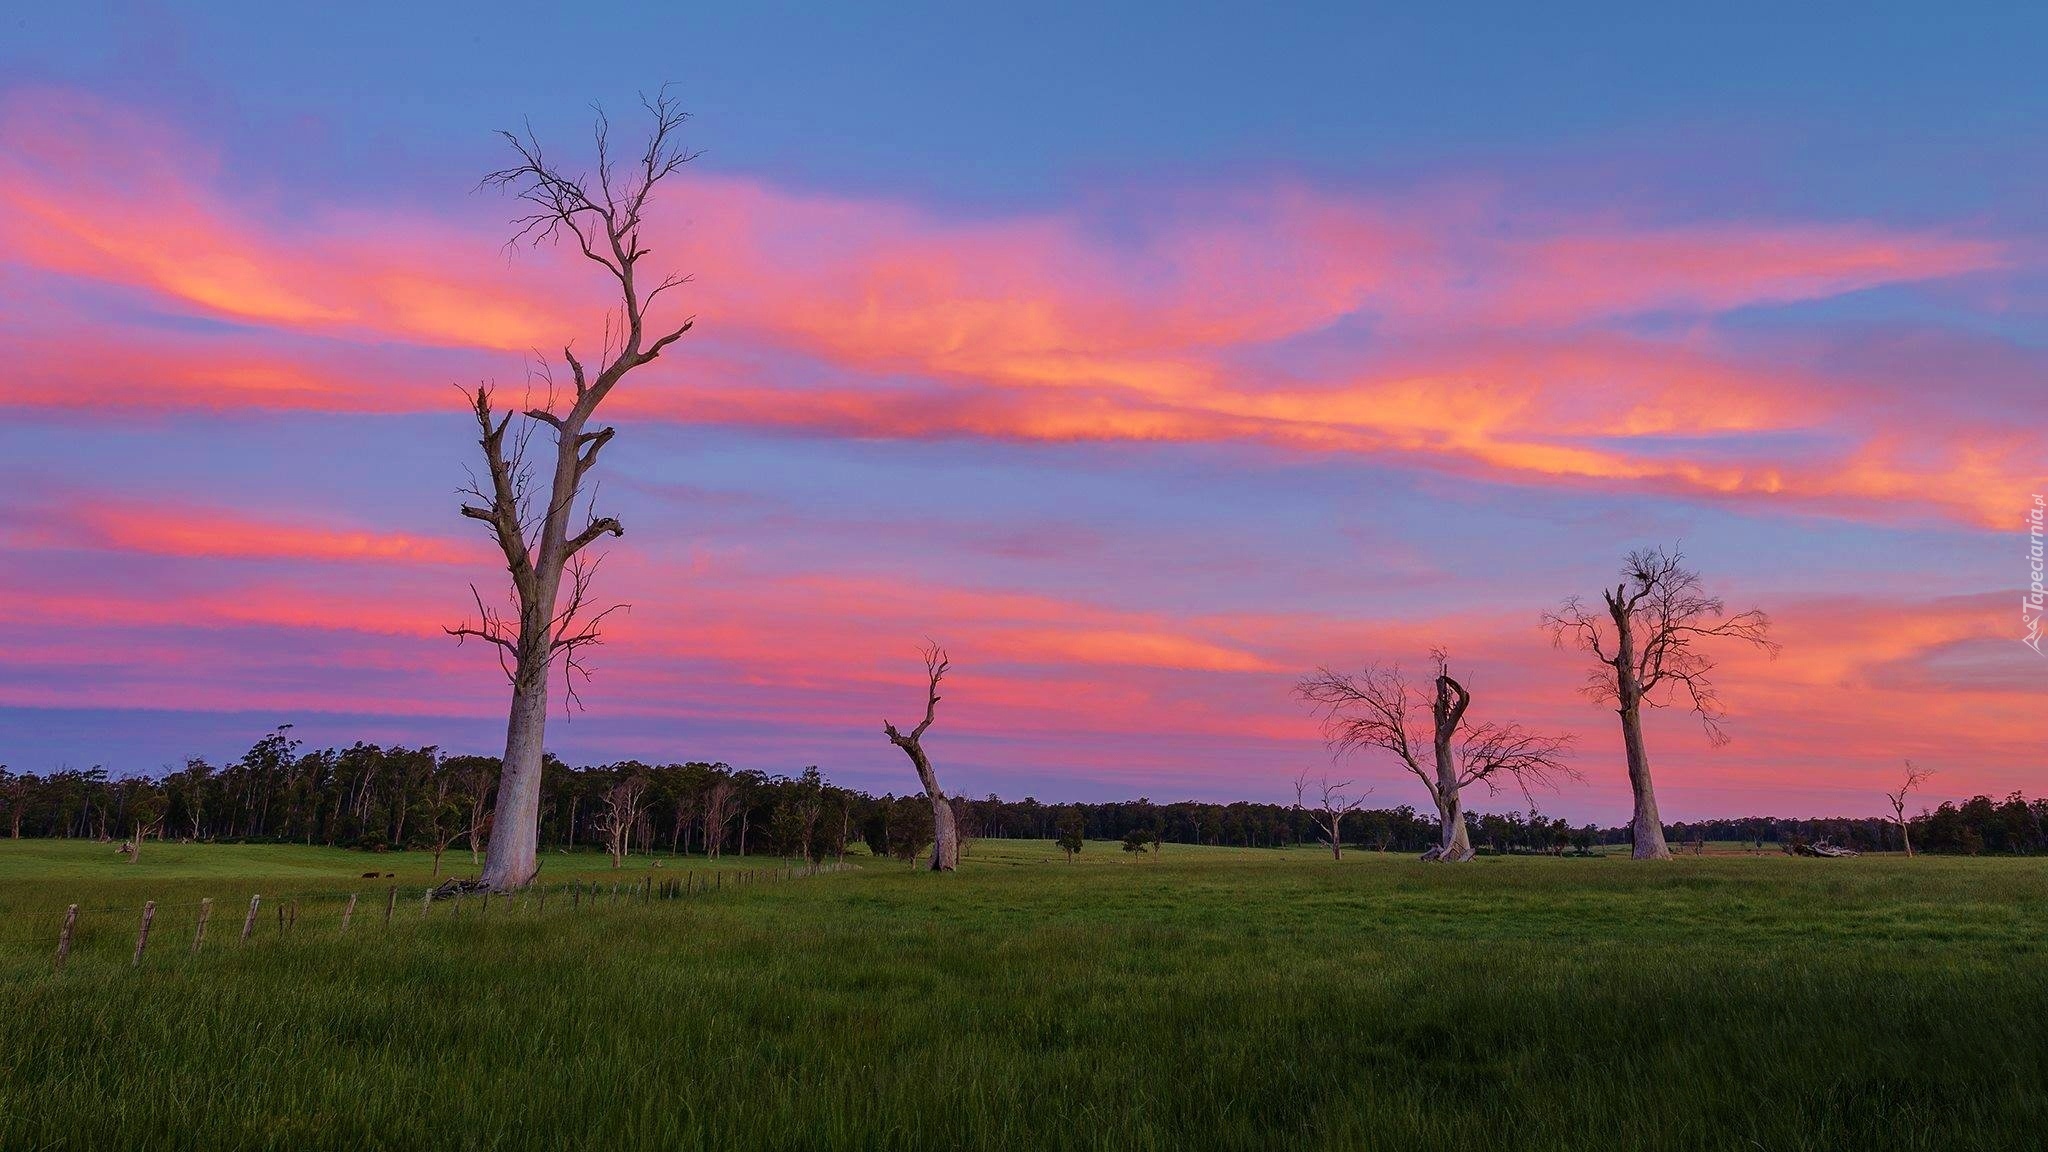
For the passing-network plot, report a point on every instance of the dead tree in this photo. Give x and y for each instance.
(1658, 615)
(945, 832)
(603, 214)
(1914, 778)
(622, 803)
(1377, 709)
(144, 827)
(1331, 810)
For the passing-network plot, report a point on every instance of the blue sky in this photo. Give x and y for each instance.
(1153, 354)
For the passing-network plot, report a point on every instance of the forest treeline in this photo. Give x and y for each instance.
(371, 797)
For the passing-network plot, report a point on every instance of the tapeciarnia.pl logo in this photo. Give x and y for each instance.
(2035, 602)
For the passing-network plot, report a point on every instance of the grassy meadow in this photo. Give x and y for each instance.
(1207, 998)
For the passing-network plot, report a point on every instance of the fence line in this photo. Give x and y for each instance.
(584, 895)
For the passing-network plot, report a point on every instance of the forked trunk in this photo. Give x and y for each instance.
(1454, 840)
(1647, 827)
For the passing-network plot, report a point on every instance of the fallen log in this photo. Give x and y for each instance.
(1819, 848)
(451, 888)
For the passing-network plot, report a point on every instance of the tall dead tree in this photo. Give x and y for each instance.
(1377, 709)
(1646, 644)
(622, 804)
(547, 623)
(1330, 811)
(718, 804)
(945, 832)
(1915, 777)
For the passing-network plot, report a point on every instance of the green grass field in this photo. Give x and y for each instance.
(1208, 998)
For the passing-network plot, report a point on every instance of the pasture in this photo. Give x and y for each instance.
(1226, 998)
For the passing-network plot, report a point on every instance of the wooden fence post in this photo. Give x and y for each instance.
(348, 911)
(142, 937)
(64, 935)
(487, 900)
(541, 905)
(426, 902)
(199, 933)
(391, 905)
(249, 924)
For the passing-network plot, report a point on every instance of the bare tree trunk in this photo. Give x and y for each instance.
(945, 833)
(515, 832)
(1454, 843)
(1647, 827)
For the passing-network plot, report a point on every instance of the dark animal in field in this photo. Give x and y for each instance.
(370, 875)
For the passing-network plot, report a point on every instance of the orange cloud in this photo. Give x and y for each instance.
(1027, 328)
(188, 530)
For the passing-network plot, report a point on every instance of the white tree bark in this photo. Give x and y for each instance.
(602, 215)
(945, 831)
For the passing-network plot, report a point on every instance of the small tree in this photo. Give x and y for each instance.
(945, 831)
(1136, 839)
(478, 784)
(1331, 808)
(907, 827)
(1646, 645)
(440, 818)
(148, 810)
(1072, 831)
(1914, 778)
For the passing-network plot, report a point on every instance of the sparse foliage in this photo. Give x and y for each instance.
(1072, 835)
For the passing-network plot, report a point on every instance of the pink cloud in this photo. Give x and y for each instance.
(1028, 328)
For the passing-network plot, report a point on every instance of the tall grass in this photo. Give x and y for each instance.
(1208, 998)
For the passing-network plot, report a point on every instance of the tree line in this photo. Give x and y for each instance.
(374, 798)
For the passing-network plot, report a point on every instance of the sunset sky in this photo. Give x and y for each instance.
(1147, 361)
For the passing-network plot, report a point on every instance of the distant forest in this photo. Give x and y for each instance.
(376, 798)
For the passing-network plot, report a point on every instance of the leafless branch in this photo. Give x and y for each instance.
(1367, 709)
